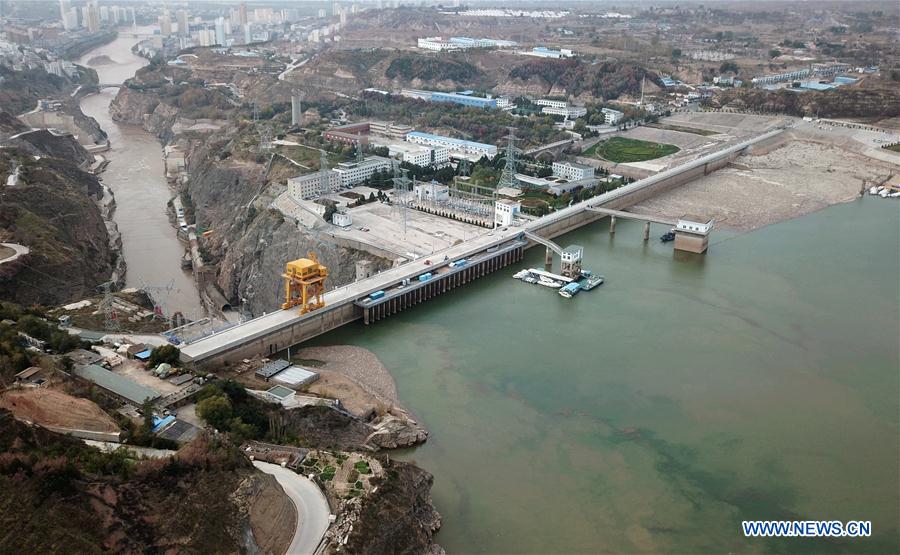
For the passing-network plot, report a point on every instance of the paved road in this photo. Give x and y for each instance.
(312, 508)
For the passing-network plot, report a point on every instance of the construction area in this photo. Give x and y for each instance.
(57, 410)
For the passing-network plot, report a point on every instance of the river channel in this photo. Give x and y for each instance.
(653, 414)
(657, 412)
(136, 175)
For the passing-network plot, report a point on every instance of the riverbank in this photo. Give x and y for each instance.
(806, 171)
(136, 177)
(364, 386)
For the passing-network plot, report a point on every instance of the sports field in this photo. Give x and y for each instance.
(620, 149)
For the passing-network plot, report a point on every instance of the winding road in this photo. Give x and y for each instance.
(312, 508)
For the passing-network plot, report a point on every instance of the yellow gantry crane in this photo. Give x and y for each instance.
(304, 284)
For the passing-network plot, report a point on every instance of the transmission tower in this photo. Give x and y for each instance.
(265, 139)
(401, 193)
(463, 168)
(159, 296)
(508, 176)
(359, 152)
(110, 316)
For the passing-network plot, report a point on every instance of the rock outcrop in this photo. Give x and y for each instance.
(397, 518)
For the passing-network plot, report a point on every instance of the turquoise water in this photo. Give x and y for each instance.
(656, 412)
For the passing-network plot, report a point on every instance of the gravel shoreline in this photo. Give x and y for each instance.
(357, 364)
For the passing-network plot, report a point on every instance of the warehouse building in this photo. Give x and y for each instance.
(119, 386)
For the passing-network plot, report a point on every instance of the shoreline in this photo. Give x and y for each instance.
(761, 189)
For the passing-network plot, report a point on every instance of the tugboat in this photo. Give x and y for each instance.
(589, 282)
(570, 290)
(668, 236)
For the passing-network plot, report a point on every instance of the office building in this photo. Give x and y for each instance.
(572, 171)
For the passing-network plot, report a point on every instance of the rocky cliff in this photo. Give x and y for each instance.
(61, 496)
(397, 518)
(251, 243)
(52, 209)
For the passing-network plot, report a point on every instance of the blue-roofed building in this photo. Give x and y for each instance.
(843, 80)
(816, 86)
(464, 100)
(468, 149)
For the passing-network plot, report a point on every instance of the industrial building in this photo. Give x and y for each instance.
(692, 234)
(439, 44)
(505, 211)
(544, 52)
(458, 147)
(121, 387)
(463, 98)
(355, 133)
(432, 192)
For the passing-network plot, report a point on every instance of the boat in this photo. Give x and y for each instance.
(570, 290)
(521, 274)
(668, 236)
(873, 190)
(884, 193)
(529, 279)
(590, 282)
(547, 282)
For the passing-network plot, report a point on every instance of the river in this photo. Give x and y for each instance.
(136, 175)
(685, 395)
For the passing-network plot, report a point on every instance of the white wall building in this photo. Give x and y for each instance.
(351, 173)
(432, 192)
(469, 149)
(505, 211)
(309, 186)
(573, 171)
(612, 116)
(342, 219)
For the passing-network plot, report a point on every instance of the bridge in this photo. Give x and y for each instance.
(558, 145)
(484, 254)
(646, 218)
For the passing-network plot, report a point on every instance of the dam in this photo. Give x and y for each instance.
(281, 329)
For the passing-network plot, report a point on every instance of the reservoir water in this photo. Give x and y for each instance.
(657, 412)
(136, 175)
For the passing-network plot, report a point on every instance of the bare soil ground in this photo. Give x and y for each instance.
(6, 252)
(273, 516)
(354, 375)
(792, 179)
(49, 407)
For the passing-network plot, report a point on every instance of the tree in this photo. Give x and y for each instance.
(774, 53)
(164, 353)
(216, 411)
(330, 211)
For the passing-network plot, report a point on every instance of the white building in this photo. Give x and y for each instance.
(412, 153)
(351, 173)
(544, 52)
(505, 211)
(432, 192)
(342, 219)
(612, 116)
(569, 112)
(309, 186)
(573, 171)
(467, 149)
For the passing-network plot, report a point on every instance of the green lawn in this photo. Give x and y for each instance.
(895, 148)
(620, 149)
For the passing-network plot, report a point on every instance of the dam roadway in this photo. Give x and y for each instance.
(276, 331)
